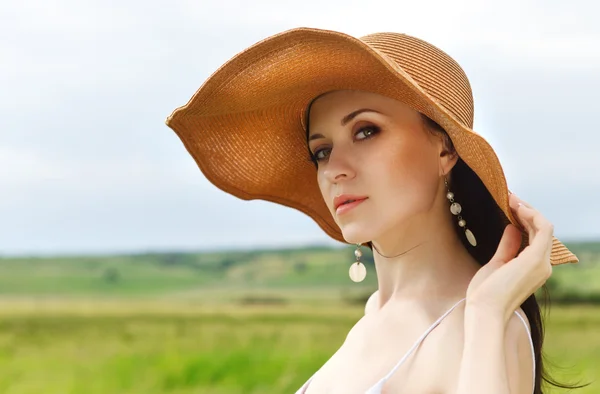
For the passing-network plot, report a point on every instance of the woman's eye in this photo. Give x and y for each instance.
(322, 154)
(367, 132)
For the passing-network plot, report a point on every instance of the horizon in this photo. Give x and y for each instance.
(221, 249)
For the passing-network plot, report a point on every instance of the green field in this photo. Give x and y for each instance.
(221, 323)
(148, 347)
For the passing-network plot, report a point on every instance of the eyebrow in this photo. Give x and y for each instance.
(345, 120)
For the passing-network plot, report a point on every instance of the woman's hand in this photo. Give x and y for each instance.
(506, 281)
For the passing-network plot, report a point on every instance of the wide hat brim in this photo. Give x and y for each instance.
(244, 126)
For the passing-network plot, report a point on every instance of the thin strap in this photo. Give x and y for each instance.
(304, 387)
(418, 342)
(379, 384)
(531, 344)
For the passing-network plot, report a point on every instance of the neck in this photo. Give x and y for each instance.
(429, 264)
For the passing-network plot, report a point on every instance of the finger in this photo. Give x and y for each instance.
(539, 229)
(519, 200)
(540, 233)
(533, 219)
(509, 244)
(514, 201)
(524, 216)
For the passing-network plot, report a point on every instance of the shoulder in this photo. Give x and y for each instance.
(519, 357)
(518, 331)
(372, 302)
(519, 323)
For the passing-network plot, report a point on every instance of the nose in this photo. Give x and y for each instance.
(339, 166)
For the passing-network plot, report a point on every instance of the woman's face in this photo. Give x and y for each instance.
(383, 153)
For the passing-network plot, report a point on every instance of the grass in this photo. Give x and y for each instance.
(149, 347)
(251, 322)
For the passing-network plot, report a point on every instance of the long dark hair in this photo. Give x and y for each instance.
(488, 221)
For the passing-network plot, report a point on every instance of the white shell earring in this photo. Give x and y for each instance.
(358, 271)
(456, 209)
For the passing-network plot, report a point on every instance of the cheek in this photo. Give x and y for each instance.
(407, 175)
(324, 188)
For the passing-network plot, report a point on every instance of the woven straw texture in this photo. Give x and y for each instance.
(244, 126)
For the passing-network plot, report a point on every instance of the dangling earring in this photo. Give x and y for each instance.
(358, 271)
(456, 209)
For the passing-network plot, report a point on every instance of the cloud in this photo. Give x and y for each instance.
(86, 162)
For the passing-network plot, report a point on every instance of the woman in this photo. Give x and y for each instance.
(387, 122)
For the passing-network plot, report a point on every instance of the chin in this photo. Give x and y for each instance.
(357, 233)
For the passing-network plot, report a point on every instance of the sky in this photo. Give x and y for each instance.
(87, 164)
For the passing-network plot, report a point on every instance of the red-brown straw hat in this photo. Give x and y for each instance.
(245, 125)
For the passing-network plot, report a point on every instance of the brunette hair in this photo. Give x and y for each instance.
(487, 220)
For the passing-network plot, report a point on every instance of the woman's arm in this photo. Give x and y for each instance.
(493, 358)
(496, 356)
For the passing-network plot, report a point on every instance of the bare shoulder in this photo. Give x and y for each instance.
(372, 302)
(518, 330)
(519, 358)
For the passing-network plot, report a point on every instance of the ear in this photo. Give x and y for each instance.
(447, 156)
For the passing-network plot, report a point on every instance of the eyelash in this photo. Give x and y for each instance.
(375, 129)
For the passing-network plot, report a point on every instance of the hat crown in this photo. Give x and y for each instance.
(433, 70)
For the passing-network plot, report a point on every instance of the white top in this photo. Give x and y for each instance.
(376, 388)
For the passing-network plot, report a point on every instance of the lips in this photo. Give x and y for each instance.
(346, 199)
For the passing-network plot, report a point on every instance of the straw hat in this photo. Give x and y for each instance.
(245, 125)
